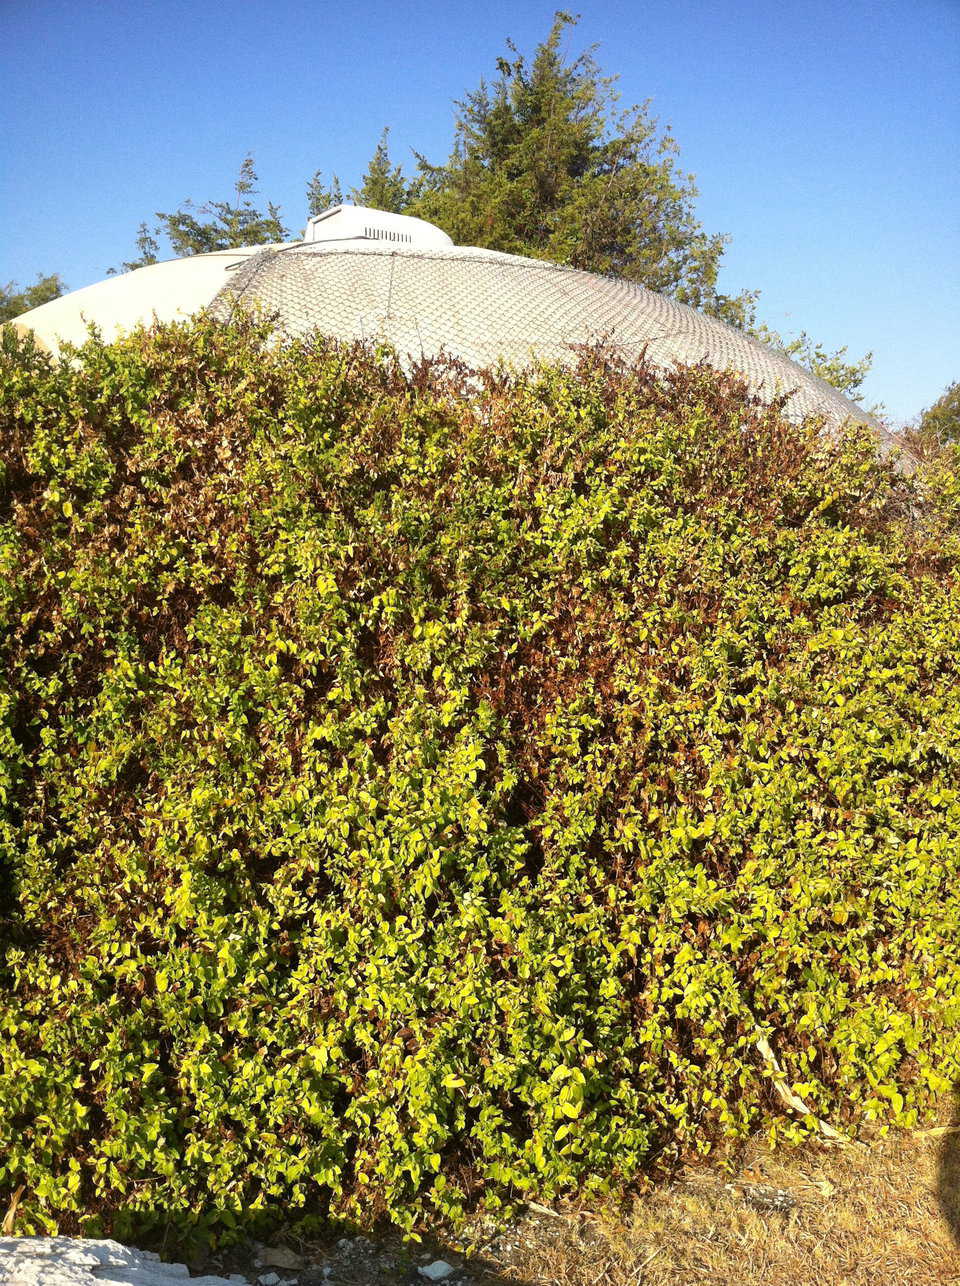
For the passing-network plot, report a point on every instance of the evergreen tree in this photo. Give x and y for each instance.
(383, 186)
(941, 422)
(149, 248)
(233, 223)
(14, 301)
(217, 225)
(835, 368)
(321, 196)
(545, 165)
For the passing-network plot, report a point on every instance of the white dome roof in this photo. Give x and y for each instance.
(163, 292)
(481, 306)
(363, 274)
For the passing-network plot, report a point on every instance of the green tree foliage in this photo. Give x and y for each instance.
(148, 247)
(321, 195)
(217, 225)
(14, 301)
(835, 368)
(941, 422)
(383, 186)
(415, 791)
(544, 164)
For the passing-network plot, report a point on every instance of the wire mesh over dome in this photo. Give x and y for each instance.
(482, 306)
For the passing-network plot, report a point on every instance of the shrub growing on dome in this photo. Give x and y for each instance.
(412, 799)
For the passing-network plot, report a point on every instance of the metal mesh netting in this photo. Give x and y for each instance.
(482, 306)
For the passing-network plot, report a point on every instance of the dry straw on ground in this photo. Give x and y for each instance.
(887, 1214)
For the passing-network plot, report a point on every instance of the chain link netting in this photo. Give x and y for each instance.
(482, 307)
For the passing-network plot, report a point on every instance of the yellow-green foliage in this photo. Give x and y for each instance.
(417, 790)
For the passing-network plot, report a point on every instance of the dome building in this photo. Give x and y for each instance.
(362, 274)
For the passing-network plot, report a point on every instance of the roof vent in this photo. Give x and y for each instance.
(360, 223)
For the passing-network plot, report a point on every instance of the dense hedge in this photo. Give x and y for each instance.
(418, 789)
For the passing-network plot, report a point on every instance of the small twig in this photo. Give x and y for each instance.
(792, 1100)
(7, 1226)
(937, 1132)
(536, 1207)
(649, 1259)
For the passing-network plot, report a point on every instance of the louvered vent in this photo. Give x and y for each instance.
(387, 234)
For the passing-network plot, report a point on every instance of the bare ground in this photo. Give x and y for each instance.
(884, 1214)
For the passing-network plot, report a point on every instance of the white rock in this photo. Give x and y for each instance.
(269, 1279)
(78, 1261)
(437, 1271)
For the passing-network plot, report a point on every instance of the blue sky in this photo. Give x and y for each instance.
(824, 136)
